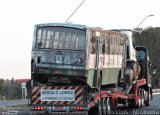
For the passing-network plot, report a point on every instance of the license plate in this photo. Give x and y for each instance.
(59, 108)
(59, 59)
(57, 95)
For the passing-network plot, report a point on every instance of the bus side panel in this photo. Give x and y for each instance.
(111, 71)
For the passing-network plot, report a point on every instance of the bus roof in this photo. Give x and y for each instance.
(62, 25)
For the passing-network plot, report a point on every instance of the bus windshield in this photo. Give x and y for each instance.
(60, 38)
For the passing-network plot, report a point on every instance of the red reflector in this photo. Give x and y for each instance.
(80, 108)
(42, 108)
(38, 108)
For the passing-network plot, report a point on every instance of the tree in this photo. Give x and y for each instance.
(149, 38)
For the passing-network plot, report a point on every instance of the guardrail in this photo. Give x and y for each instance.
(155, 90)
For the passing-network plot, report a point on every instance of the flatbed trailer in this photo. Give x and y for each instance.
(108, 100)
(99, 103)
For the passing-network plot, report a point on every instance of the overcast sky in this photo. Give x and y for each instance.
(18, 17)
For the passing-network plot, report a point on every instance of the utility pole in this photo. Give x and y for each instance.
(144, 20)
(74, 11)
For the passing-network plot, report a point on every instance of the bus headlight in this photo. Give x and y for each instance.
(79, 59)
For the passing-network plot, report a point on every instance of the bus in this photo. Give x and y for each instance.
(76, 54)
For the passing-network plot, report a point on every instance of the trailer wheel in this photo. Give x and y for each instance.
(106, 106)
(148, 103)
(139, 103)
(100, 106)
(97, 109)
(142, 97)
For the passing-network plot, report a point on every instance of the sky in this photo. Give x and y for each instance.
(18, 17)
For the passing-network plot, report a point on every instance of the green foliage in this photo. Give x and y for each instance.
(1, 84)
(150, 38)
(10, 89)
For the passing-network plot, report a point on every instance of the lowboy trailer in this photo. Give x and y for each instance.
(74, 100)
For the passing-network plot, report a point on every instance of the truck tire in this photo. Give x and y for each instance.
(148, 103)
(93, 111)
(108, 106)
(100, 107)
(97, 109)
(104, 106)
(142, 97)
(139, 102)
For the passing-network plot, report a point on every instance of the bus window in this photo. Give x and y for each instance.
(107, 43)
(73, 42)
(112, 44)
(118, 45)
(80, 41)
(56, 41)
(68, 39)
(39, 43)
(62, 41)
(48, 39)
(102, 44)
(93, 43)
(43, 38)
(60, 38)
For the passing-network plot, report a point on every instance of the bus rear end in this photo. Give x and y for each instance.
(58, 64)
(58, 54)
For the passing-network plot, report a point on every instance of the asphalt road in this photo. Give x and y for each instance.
(156, 101)
(13, 102)
(154, 109)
